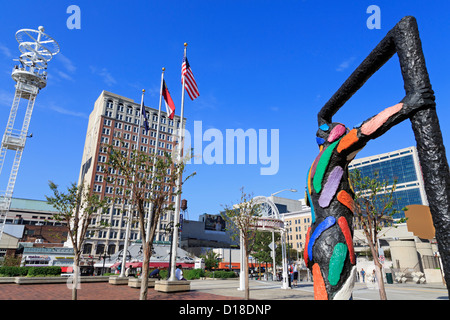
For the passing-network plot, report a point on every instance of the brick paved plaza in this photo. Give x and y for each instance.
(212, 290)
(95, 291)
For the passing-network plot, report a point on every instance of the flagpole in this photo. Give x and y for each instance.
(177, 198)
(130, 213)
(147, 235)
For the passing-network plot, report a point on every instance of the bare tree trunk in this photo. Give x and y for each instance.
(75, 276)
(378, 271)
(246, 285)
(379, 274)
(144, 274)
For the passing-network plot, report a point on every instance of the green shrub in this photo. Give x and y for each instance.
(44, 271)
(23, 271)
(193, 274)
(163, 274)
(14, 271)
(9, 271)
(221, 274)
(189, 274)
(54, 271)
(29, 271)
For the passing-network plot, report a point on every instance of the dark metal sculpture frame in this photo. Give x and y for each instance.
(404, 40)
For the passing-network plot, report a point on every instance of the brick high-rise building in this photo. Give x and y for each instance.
(115, 119)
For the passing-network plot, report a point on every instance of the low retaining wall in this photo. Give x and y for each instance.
(48, 280)
(7, 279)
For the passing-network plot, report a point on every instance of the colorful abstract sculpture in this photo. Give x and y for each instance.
(329, 249)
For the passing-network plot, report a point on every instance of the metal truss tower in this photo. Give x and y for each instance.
(37, 49)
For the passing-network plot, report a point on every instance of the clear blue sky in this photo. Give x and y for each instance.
(258, 64)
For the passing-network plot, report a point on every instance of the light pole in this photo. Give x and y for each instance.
(291, 190)
(273, 234)
(104, 256)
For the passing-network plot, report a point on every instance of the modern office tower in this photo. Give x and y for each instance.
(402, 165)
(115, 119)
(37, 50)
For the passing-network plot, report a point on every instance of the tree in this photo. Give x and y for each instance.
(211, 260)
(242, 218)
(374, 207)
(76, 208)
(11, 261)
(261, 250)
(143, 180)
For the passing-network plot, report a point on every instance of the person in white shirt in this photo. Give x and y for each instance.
(179, 273)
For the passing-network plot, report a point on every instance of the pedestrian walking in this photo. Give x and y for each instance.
(363, 275)
(295, 274)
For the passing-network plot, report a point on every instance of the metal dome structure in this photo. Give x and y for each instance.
(37, 49)
(270, 221)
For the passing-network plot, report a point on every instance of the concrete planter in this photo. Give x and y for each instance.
(136, 283)
(116, 280)
(95, 279)
(172, 286)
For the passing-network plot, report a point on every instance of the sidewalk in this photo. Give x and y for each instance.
(259, 290)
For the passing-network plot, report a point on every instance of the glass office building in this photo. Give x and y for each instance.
(402, 165)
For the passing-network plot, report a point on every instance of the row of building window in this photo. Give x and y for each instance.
(119, 134)
(402, 169)
(130, 111)
(119, 191)
(111, 249)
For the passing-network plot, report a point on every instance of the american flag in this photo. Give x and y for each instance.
(190, 84)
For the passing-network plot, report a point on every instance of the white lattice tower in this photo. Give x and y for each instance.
(37, 49)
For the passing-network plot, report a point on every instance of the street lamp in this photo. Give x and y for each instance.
(291, 190)
(104, 256)
(127, 258)
(168, 229)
